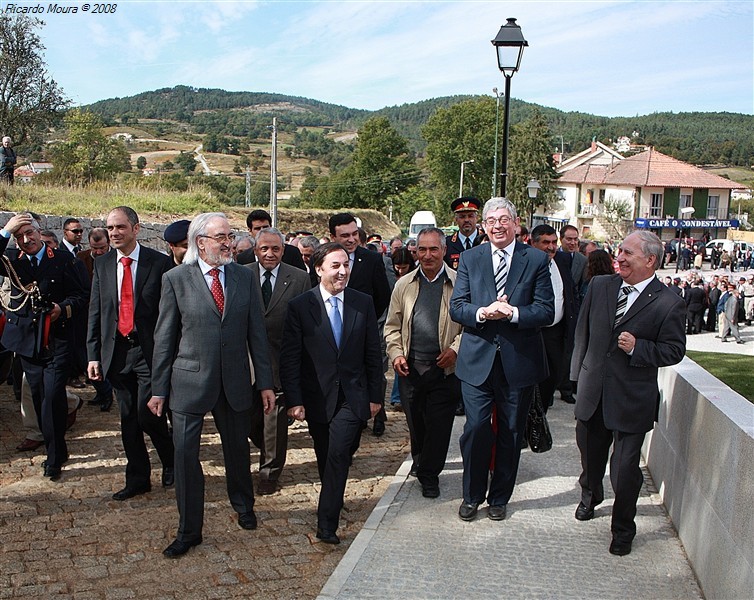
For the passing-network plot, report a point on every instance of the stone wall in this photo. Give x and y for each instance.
(150, 234)
(701, 457)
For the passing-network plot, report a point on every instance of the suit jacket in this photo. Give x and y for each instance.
(291, 282)
(528, 287)
(696, 300)
(626, 385)
(314, 372)
(570, 297)
(368, 276)
(198, 351)
(103, 306)
(60, 281)
(453, 249)
(291, 256)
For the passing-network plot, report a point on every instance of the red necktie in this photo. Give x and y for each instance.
(217, 290)
(126, 310)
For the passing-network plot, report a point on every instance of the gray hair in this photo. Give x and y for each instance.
(50, 234)
(650, 245)
(309, 241)
(242, 236)
(431, 230)
(270, 231)
(197, 229)
(494, 204)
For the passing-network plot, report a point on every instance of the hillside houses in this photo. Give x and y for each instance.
(605, 194)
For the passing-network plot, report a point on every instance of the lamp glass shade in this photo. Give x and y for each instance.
(510, 44)
(532, 188)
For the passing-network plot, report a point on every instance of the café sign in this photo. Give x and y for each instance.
(685, 223)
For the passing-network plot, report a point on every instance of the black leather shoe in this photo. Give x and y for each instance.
(179, 548)
(430, 491)
(328, 537)
(414, 470)
(568, 399)
(131, 491)
(52, 472)
(106, 403)
(247, 520)
(168, 477)
(496, 512)
(620, 548)
(378, 428)
(583, 512)
(460, 410)
(468, 510)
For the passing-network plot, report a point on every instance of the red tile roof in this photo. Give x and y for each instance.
(649, 169)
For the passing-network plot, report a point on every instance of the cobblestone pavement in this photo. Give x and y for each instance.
(416, 548)
(69, 539)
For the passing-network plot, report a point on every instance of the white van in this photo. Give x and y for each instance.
(420, 220)
(727, 245)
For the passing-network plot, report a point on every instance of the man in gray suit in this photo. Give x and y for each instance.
(210, 322)
(630, 325)
(279, 283)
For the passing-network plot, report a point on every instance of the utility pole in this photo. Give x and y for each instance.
(247, 198)
(274, 174)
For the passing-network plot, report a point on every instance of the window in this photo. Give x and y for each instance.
(685, 201)
(655, 208)
(712, 205)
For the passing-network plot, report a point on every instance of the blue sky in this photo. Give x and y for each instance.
(605, 58)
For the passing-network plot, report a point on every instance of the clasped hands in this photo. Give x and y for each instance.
(499, 309)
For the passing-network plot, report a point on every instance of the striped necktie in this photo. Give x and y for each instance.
(501, 273)
(620, 309)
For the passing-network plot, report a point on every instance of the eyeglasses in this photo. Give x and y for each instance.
(221, 238)
(492, 221)
(75, 230)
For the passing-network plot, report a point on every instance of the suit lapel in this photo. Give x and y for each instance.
(649, 295)
(486, 268)
(202, 289)
(349, 319)
(231, 286)
(282, 283)
(319, 315)
(143, 269)
(518, 264)
(612, 298)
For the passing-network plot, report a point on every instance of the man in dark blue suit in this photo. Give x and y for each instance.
(502, 297)
(331, 372)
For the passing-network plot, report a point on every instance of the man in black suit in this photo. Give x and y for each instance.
(558, 335)
(630, 325)
(39, 326)
(279, 284)
(255, 222)
(331, 372)
(502, 297)
(367, 275)
(696, 302)
(122, 317)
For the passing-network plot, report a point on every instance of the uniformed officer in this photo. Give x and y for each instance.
(465, 211)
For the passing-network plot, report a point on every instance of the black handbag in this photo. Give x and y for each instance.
(537, 430)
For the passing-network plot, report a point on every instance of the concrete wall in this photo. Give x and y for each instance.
(701, 457)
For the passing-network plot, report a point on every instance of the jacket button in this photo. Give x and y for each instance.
(609, 355)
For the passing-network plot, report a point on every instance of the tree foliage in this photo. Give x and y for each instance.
(30, 100)
(87, 154)
(462, 132)
(187, 162)
(530, 157)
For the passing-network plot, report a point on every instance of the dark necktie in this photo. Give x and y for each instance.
(468, 243)
(620, 309)
(335, 321)
(267, 288)
(501, 274)
(126, 309)
(34, 263)
(217, 290)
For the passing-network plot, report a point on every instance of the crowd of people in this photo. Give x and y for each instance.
(261, 328)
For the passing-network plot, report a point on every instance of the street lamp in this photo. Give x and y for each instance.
(497, 137)
(510, 44)
(460, 185)
(532, 189)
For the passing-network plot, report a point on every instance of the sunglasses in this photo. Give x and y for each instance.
(75, 230)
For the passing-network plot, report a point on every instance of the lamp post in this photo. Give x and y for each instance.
(497, 138)
(510, 44)
(532, 189)
(460, 185)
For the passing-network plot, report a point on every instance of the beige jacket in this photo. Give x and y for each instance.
(401, 313)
